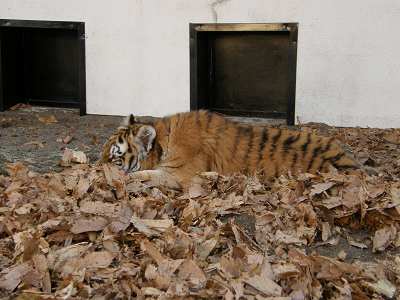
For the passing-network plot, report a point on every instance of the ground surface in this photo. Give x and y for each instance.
(38, 143)
(352, 218)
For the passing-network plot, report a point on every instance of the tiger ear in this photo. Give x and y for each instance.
(129, 120)
(146, 135)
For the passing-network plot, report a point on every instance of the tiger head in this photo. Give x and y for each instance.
(130, 145)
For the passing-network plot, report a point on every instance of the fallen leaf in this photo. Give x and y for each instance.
(191, 272)
(47, 119)
(326, 231)
(264, 285)
(342, 255)
(320, 188)
(196, 190)
(20, 106)
(288, 239)
(40, 263)
(383, 287)
(72, 156)
(100, 259)
(88, 224)
(383, 237)
(35, 143)
(67, 139)
(204, 249)
(57, 259)
(392, 137)
(11, 277)
(151, 227)
(150, 248)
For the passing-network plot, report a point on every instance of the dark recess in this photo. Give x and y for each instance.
(244, 73)
(42, 63)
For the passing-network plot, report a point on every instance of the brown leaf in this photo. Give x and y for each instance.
(59, 259)
(40, 263)
(284, 270)
(320, 188)
(48, 119)
(204, 249)
(100, 208)
(326, 231)
(20, 106)
(67, 139)
(151, 227)
(383, 287)
(35, 143)
(264, 285)
(196, 190)
(151, 250)
(72, 156)
(383, 237)
(82, 187)
(392, 137)
(288, 239)
(100, 259)
(90, 224)
(191, 272)
(12, 276)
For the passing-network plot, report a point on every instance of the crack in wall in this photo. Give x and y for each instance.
(214, 6)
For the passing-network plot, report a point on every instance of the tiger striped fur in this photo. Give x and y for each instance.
(175, 148)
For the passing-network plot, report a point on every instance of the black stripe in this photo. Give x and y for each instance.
(294, 160)
(327, 146)
(289, 141)
(130, 161)
(197, 119)
(240, 131)
(264, 140)
(276, 171)
(336, 157)
(314, 155)
(323, 161)
(208, 164)
(221, 129)
(158, 150)
(249, 147)
(236, 141)
(209, 118)
(305, 145)
(166, 124)
(274, 141)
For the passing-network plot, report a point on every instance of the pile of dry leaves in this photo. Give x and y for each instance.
(90, 231)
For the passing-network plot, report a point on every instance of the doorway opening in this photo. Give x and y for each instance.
(246, 70)
(42, 63)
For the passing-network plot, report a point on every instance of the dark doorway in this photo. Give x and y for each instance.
(42, 63)
(244, 69)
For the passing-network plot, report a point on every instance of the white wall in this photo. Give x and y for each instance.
(137, 52)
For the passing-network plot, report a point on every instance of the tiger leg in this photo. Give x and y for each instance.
(156, 177)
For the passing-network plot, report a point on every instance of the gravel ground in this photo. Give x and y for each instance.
(27, 136)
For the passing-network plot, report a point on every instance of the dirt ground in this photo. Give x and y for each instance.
(37, 137)
(29, 136)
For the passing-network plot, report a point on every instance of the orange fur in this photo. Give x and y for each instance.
(198, 141)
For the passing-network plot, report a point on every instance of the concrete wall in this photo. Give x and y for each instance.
(138, 52)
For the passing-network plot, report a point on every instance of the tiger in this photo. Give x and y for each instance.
(173, 150)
